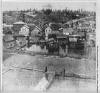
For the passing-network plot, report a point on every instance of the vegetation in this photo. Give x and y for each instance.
(47, 15)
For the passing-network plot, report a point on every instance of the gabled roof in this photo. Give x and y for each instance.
(31, 14)
(5, 25)
(20, 22)
(33, 26)
(17, 26)
(25, 26)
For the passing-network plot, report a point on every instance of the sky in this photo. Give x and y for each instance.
(54, 4)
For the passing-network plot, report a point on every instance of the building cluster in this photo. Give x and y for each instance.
(82, 26)
(18, 34)
(21, 34)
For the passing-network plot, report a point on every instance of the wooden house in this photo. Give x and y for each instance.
(17, 27)
(34, 33)
(8, 37)
(21, 40)
(24, 30)
(21, 31)
(9, 41)
(9, 44)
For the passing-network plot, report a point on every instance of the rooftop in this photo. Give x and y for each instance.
(19, 22)
(30, 14)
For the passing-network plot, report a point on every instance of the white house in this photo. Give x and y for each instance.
(24, 30)
(67, 31)
(48, 30)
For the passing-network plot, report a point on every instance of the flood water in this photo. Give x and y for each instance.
(25, 80)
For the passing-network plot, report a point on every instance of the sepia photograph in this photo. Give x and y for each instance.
(49, 47)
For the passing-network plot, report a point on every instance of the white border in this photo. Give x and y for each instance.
(1, 44)
(97, 25)
(50, 0)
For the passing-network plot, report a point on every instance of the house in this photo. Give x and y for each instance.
(9, 44)
(17, 27)
(21, 31)
(34, 33)
(34, 39)
(91, 39)
(82, 22)
(24, 30)
(9, 41)
(67, 31)
(21, 28)
(21, 40)
(48, 30)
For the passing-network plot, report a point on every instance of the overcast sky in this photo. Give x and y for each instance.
(54, 4)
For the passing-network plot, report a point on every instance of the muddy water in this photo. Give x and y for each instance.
(22, 79)
(25, 80)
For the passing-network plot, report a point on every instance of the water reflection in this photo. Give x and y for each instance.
(71, 52)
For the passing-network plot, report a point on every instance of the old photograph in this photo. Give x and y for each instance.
(49, 46)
